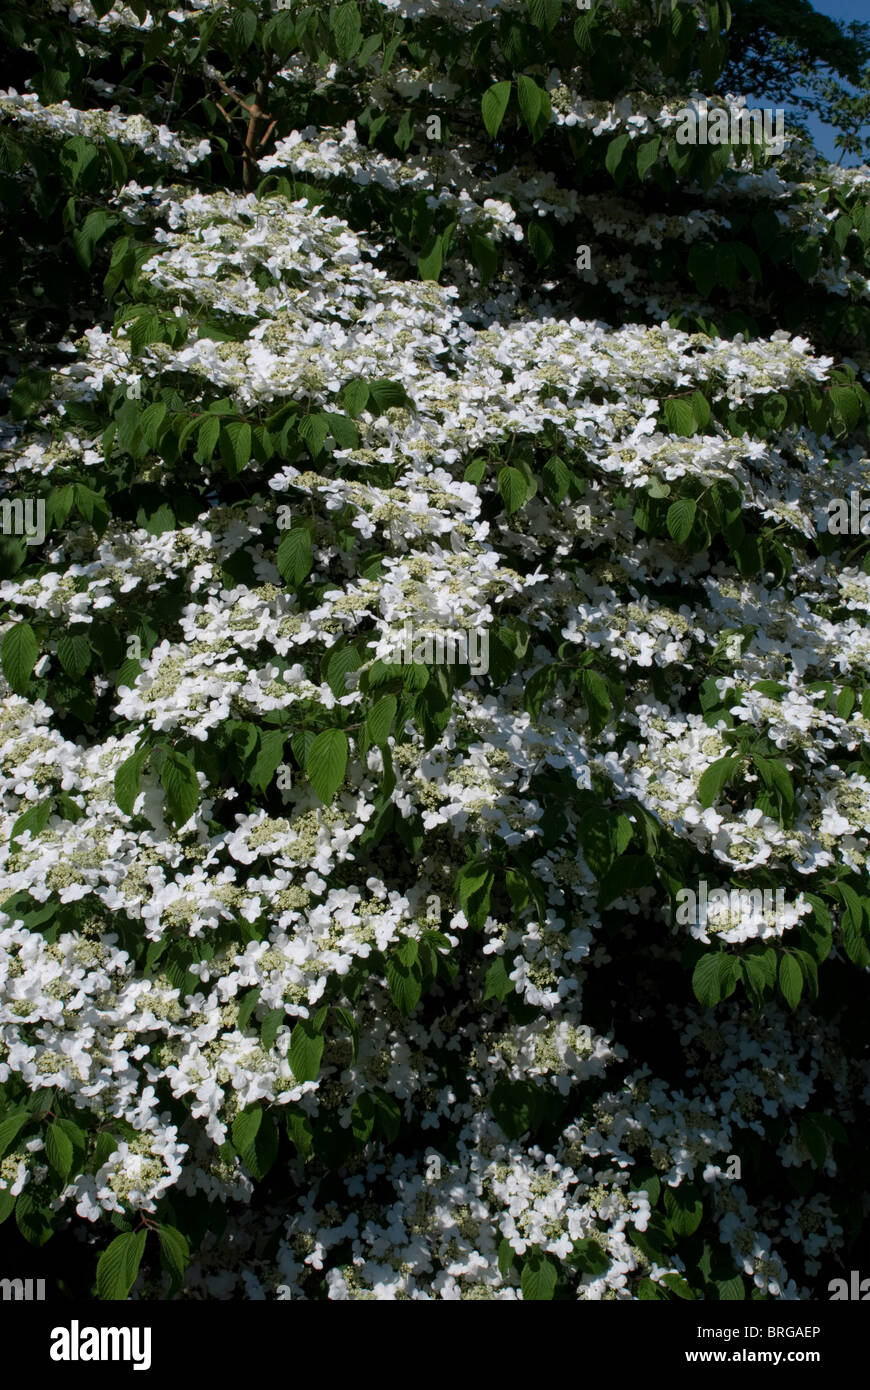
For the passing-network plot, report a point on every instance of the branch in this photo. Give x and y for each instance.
(257, 113)
(216, 77)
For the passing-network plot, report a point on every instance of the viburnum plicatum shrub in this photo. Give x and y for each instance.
(328, 974)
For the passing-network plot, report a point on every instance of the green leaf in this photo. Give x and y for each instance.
(648, 1291)
(678, 1284)
(681, 519)
(404, 133)
(7, 1204)
(650, 1184)
(74, 1133)
(174, 1255)
(806, 256)
(544, 14)
(701, 409)
(791, 980)
(774, 410)
(255, 1137)
(18, 656)
(149, 425)
(34, 819)
(269, 1028)
(347, 29)
(529, 94)
(679, 415)
(144, 330)
(405, 976)
(473, 887)
(343, 431)
(59, 504)
(351, 1027)
(583, 33)
(715, 779)
(247, 1006)
(10, 1128)
(369, 49)
(557, 479)
(33, 1218)
(684, 1209)
(513, 488)
(845, 702)
(300, 1132)
(92, 230)
(380, 718)
(127, 780)
(256, 1140)
(12, 156)
(270, 754)
(314, 429)
(118, 1266)
(847, 405)
(243, 27)
(702, 266)
(207, 438)
(498, 984)
(59, 1151)
(388, 1115)
(707, 979)
(180, 783)
(76, 156)
(517, 884)
(600, 839)
(759, 971)
(615, 150)
(327, 763)
(539, 1279)
(301, 743)
(815, 1138)
(429, 265)
(775, 775)
(246, 1127)
(539, 686)
(294, 558)
(390, 51)
(588, 1256)
(30, 390)
(363, 1117)
(854, 935)
(596, 697)
(388, 395)
(235, 446)
(306, 1050)
(493, 106)
(625, 877)
(355, 398)
(854, 911)
(484, 254)
(74, 652)
(540, 242)
(647, 155)
(91, 506)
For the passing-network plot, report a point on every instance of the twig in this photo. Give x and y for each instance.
(269, 129)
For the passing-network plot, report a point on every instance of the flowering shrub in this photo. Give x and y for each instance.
(330, 973)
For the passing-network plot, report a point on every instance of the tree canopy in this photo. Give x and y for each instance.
(435, 704)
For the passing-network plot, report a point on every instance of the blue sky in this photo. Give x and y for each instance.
(837, 9)
(843, 9)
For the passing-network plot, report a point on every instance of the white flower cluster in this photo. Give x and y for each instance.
(321, 154)
(62, 121)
